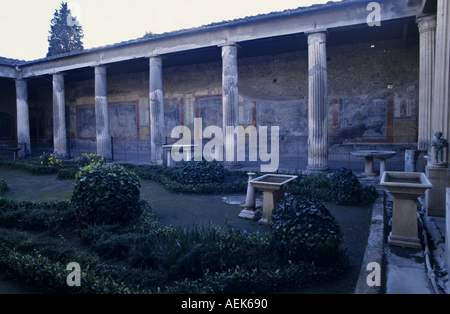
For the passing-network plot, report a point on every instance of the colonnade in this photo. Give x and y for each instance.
(317, 142)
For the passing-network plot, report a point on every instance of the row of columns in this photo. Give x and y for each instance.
(317, 140)
(434, 95)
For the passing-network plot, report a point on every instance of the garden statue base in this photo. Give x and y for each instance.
(272, 186)
(405, 187)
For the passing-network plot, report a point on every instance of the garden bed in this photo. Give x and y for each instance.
(225, 276)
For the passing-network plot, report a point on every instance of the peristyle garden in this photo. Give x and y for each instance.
(121, 245)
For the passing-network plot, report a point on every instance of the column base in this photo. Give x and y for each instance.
(312, 170)
(409, 242)
(249, 214)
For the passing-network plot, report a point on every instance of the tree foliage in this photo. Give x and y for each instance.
(66, 32)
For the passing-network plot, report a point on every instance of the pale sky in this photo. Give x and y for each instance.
(25, 24)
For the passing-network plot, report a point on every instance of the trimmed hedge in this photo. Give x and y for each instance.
(106, 193)
(342, 188)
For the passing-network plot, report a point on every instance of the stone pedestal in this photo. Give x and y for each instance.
(23, 118)
(157, 123)
(404, 224)
(273, 186)
(414, 160)
(270, 201)
(250, 211)
(405, 187)
(59, 116)
(102, 114)
(447, 232)
(317, 102)
(435, 198)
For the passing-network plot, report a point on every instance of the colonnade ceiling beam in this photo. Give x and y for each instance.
(9, 72)
(335, 15)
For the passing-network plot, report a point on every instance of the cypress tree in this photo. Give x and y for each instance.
(65, 33)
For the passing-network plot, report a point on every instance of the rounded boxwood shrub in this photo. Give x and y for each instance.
(345, 187)
(305, 230)
(204, 171)
(347, 190)
(106, 194)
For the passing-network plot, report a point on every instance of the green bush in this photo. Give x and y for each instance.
(342, 188)
(87, 159)
(106, 194)
(314, 186)
(345, 187)
(67, 173)
(3, 187)
(202, 172)
(305, 230)
(347, 190)
(50, 160)
(34, 215)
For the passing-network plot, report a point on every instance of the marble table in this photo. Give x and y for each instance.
(370, 155)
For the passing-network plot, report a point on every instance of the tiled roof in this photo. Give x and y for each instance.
(11, 62)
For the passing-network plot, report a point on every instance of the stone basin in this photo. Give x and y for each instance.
(185, 148)
(15, 150)
(406, 183)
(370, 155)
(272, 186)
(405, 187)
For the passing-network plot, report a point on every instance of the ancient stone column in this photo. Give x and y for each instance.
(101, 113)
(230, 103)
(59, 116)
(441, 93)
(157, 124)
(427, 30)
(23, 118)
(317, 102)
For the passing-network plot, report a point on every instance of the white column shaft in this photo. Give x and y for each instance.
(23, 117)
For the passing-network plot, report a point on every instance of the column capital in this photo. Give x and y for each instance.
(426, 22)
(19, 80)
(317, 31)
(153, 56)
(317, 35)
(229, 44)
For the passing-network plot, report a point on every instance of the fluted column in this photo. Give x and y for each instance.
(441, 96)
(427, 30)
(157, 124)
(230, 102)
(23, 118)
(101, 113)
(317, 103)
(59, 116)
